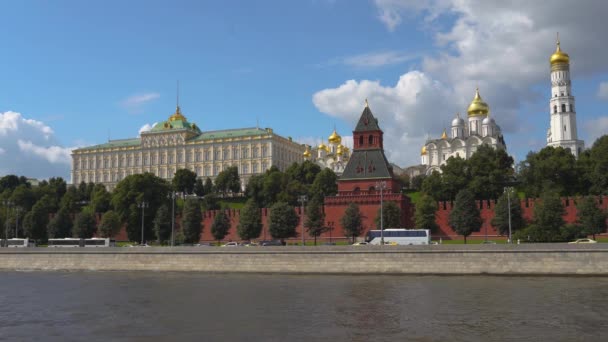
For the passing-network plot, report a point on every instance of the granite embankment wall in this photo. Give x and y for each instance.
(493, 259)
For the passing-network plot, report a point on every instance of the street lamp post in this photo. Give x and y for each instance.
(143, 205)
(508, 191)
(302, 199)
(17, 212)
(381, 185)
(172, 195)
(7, 205)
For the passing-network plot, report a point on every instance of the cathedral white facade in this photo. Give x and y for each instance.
(465, 137)
(333, 156)
(563, 131)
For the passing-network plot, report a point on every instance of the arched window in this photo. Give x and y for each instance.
(370, 140)
(563, 108)
(554, 109)
(361, 140)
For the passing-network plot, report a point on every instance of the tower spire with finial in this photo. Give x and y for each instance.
(366, 103)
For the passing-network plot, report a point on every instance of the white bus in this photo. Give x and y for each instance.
(66, 242)
(99, 242)
(20, 243)
(400, 236)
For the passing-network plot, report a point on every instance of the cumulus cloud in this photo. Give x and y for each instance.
(602, 91)
(135, 103)
(146, 127)
(502, 47)
(29, 148)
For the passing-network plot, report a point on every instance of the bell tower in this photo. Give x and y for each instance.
(563, 131)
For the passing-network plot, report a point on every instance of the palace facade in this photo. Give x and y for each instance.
(178, 144)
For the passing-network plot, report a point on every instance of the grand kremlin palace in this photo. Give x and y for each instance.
(178, 144)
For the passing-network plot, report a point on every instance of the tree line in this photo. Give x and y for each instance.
(547, 175)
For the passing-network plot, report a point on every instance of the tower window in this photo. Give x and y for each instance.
(563, 108)
(361, 140)
(564, 128)
(562, 94)
(554, 109)
(370, 140)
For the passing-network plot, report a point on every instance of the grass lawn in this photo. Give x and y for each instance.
(414, 197)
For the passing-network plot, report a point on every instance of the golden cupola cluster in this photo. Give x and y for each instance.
(559, 57)
(322, 146)
(423, 151)
(307, 153)
(478, 107)
(177, 115)
(335, 138)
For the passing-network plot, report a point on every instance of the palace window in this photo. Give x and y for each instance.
(179, 157)
(235, 153)
(198, 171)
(225, 154)
(216, 155)
(245, 168)
(171, 159)
(207, 171)
(255, 167)
(217, 170)
(254, 152)
(245, 152)
(264, 151)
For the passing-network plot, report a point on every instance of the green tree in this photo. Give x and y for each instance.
(228, 181)
(548, 218)
(325, 184)
(60, 225)
(70, 201)
(23, 196)
(501, 214)
(391, 216)
(184, 181)
(465, 218)
(282, 221)
(454, 177)
(110, 224)
(36, 221)
(162, 224)
(591, 218)
(192, 221)
(598, 170)
(425, 215)
(489, 170)
(274, 183)
(255, 190)
(551, 167)
(352, 221)
(250, 221)
(315, 219)
(130, 192)
(84, 224)
(433, 186)
(199, 188)
(208, 186)
(417, 182)
(220, 226)
(100, 199)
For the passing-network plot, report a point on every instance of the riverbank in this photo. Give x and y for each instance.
(525, 259)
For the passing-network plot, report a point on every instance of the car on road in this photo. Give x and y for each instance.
(231, 244)
(362, 243)
(271, 243)
(583, 241)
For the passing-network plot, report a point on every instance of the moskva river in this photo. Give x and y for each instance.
(120, 306)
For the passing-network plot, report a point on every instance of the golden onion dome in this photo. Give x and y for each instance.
(177, 115)
(340, 150)
(559, 57)
(306, 153)
(335, 138)
(322, 146)
(477, 106)
(423, 151)
(444, 135)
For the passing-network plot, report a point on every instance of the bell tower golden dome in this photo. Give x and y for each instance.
(559, 57)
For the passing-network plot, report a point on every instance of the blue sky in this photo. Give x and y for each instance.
(77, 72)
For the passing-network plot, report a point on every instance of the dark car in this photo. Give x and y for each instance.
(271, 243)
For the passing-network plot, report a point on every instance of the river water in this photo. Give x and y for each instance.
(147, 306)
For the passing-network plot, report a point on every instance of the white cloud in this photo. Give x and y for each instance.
(502, 47)
(135, 103)
(595, 129)
(376, 59)
(29, 148)
(602, 91)
(146, 127)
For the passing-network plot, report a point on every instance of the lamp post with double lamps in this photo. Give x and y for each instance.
(381, 185)
(172, 196)
(143, 205)
(302, 199)
(508, 190)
